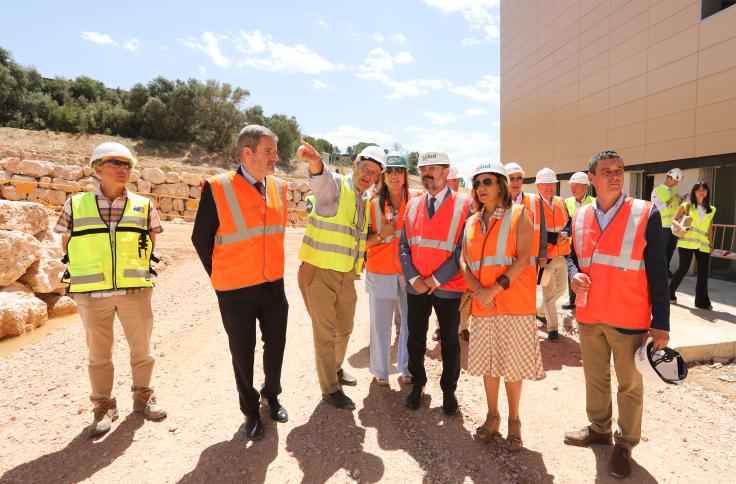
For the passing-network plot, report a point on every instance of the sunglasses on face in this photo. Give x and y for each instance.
(394, 169)
(119, 164)
(487, 182)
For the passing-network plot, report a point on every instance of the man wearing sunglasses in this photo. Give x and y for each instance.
(430, 253)
(108, 237)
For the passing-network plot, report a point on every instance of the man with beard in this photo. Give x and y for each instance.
(430, 252)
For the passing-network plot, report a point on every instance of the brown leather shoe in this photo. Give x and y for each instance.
(586, 437)
(620, 464)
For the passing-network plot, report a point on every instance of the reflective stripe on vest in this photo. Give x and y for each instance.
(249, 242)
(697, 238)
(667, 196)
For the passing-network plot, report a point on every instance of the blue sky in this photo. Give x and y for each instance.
(423, 73)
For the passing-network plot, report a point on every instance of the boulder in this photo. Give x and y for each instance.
(178, 205)
(36, 168)
(27, 217)
(132, 187)
(10, 165)
(58, 305)
(18, 250)
(189, 215)
(20, 310)
(304, 187)
(89, 184)
(68, 186)
(56, 198)
(68, 172)
(10, 193)
(289, 195)
(135, 175)
(195, 192)
(4, 175)
(165, 205)
(191, 179)
(153, 175)
(88, 171)
(44, 182)
(144, 186)
(172, 177)
(297, 196)
(292, 185)
(44, 275)
(180, 190)
(191, 205)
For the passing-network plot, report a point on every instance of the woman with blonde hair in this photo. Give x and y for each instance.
(497, 247)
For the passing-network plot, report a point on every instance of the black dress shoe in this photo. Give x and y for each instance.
(553, 335)
(346, 378)
(278, 411)
(449, 404)
(339, 400)
(414, 400)
(254, 427)
(542, 319)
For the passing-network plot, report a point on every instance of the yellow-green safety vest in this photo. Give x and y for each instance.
(336, 242)
(570, 203)
(99, 260)
(667, 196)
(697, 236)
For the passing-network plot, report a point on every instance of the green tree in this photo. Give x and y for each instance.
(412, 160)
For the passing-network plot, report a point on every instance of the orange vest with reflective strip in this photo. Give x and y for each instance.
(249, 243)
(556, 219)
(490, 255)
(433, 241)
(614, 261)
(531, 202)
(384, 257)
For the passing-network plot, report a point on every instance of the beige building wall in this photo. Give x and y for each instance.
(647, 78)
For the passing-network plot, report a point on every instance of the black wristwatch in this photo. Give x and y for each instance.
(503, 281)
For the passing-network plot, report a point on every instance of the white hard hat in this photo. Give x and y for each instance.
(374, 153)
(491, 167)
(546, 175)
(676, 174)
(454, 173)
(665, 365)
(580, 177)
(514, 167)
(436, 157)
(111, 149)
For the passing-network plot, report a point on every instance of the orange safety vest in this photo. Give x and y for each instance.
(614, 261)
(556, 219)
(490, 255)
(531, 202)
(384, 258)
(249, 243)
(433, 241)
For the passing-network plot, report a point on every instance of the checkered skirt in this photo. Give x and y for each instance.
(505, 345)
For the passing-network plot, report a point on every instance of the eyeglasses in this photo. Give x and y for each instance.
(120, 164)
(516, 178)
(487, 182)
(394, 169)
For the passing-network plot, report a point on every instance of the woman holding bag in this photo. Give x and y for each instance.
(696, 241)
(497, 246)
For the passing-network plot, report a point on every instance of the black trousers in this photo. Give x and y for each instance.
(702, 262)
(448, 314)
(670, 242)
(239, 309)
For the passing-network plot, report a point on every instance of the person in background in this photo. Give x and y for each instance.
(497, 248)
(697, 242)
(667, 200)
(533, 204)
(453, 178)
(579, 186)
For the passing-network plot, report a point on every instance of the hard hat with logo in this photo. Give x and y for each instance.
(494, 167)
(580, 177)
(396, 159)
(514, 167)
(546, 175)
(676, 174)
(374, 153)
(454, 173)
(436, 157)
(665, 365)
(110, 150)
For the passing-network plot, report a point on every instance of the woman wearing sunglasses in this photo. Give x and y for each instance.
(697, 241)
(496, 250)
(385, 283)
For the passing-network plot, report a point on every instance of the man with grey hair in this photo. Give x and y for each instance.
(239, 237)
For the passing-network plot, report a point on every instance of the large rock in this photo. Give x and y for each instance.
(144, 186)
(44, 275)
(192, 179)
(4, 175)
(180, 190)
(135, 175)
(36, 168)
(69, 186)
(172, 177)
(10, 193)
(178, 205)
(11, 165)
(44, 182)
(27, 217)
(20, 310)
(165, 205)
(89, 184)
(189, 215)
(58, 305)
(195, 192)
(18, 251)
(153, 175)
(88, 171)
(191, 205)
(68, 172)
(304, 187)
(132, 187)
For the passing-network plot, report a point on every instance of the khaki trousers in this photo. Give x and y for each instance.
(557, 269)
(598, 342)
(330, 299)
(136, 318)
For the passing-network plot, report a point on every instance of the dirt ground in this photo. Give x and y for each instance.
(688, 430)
